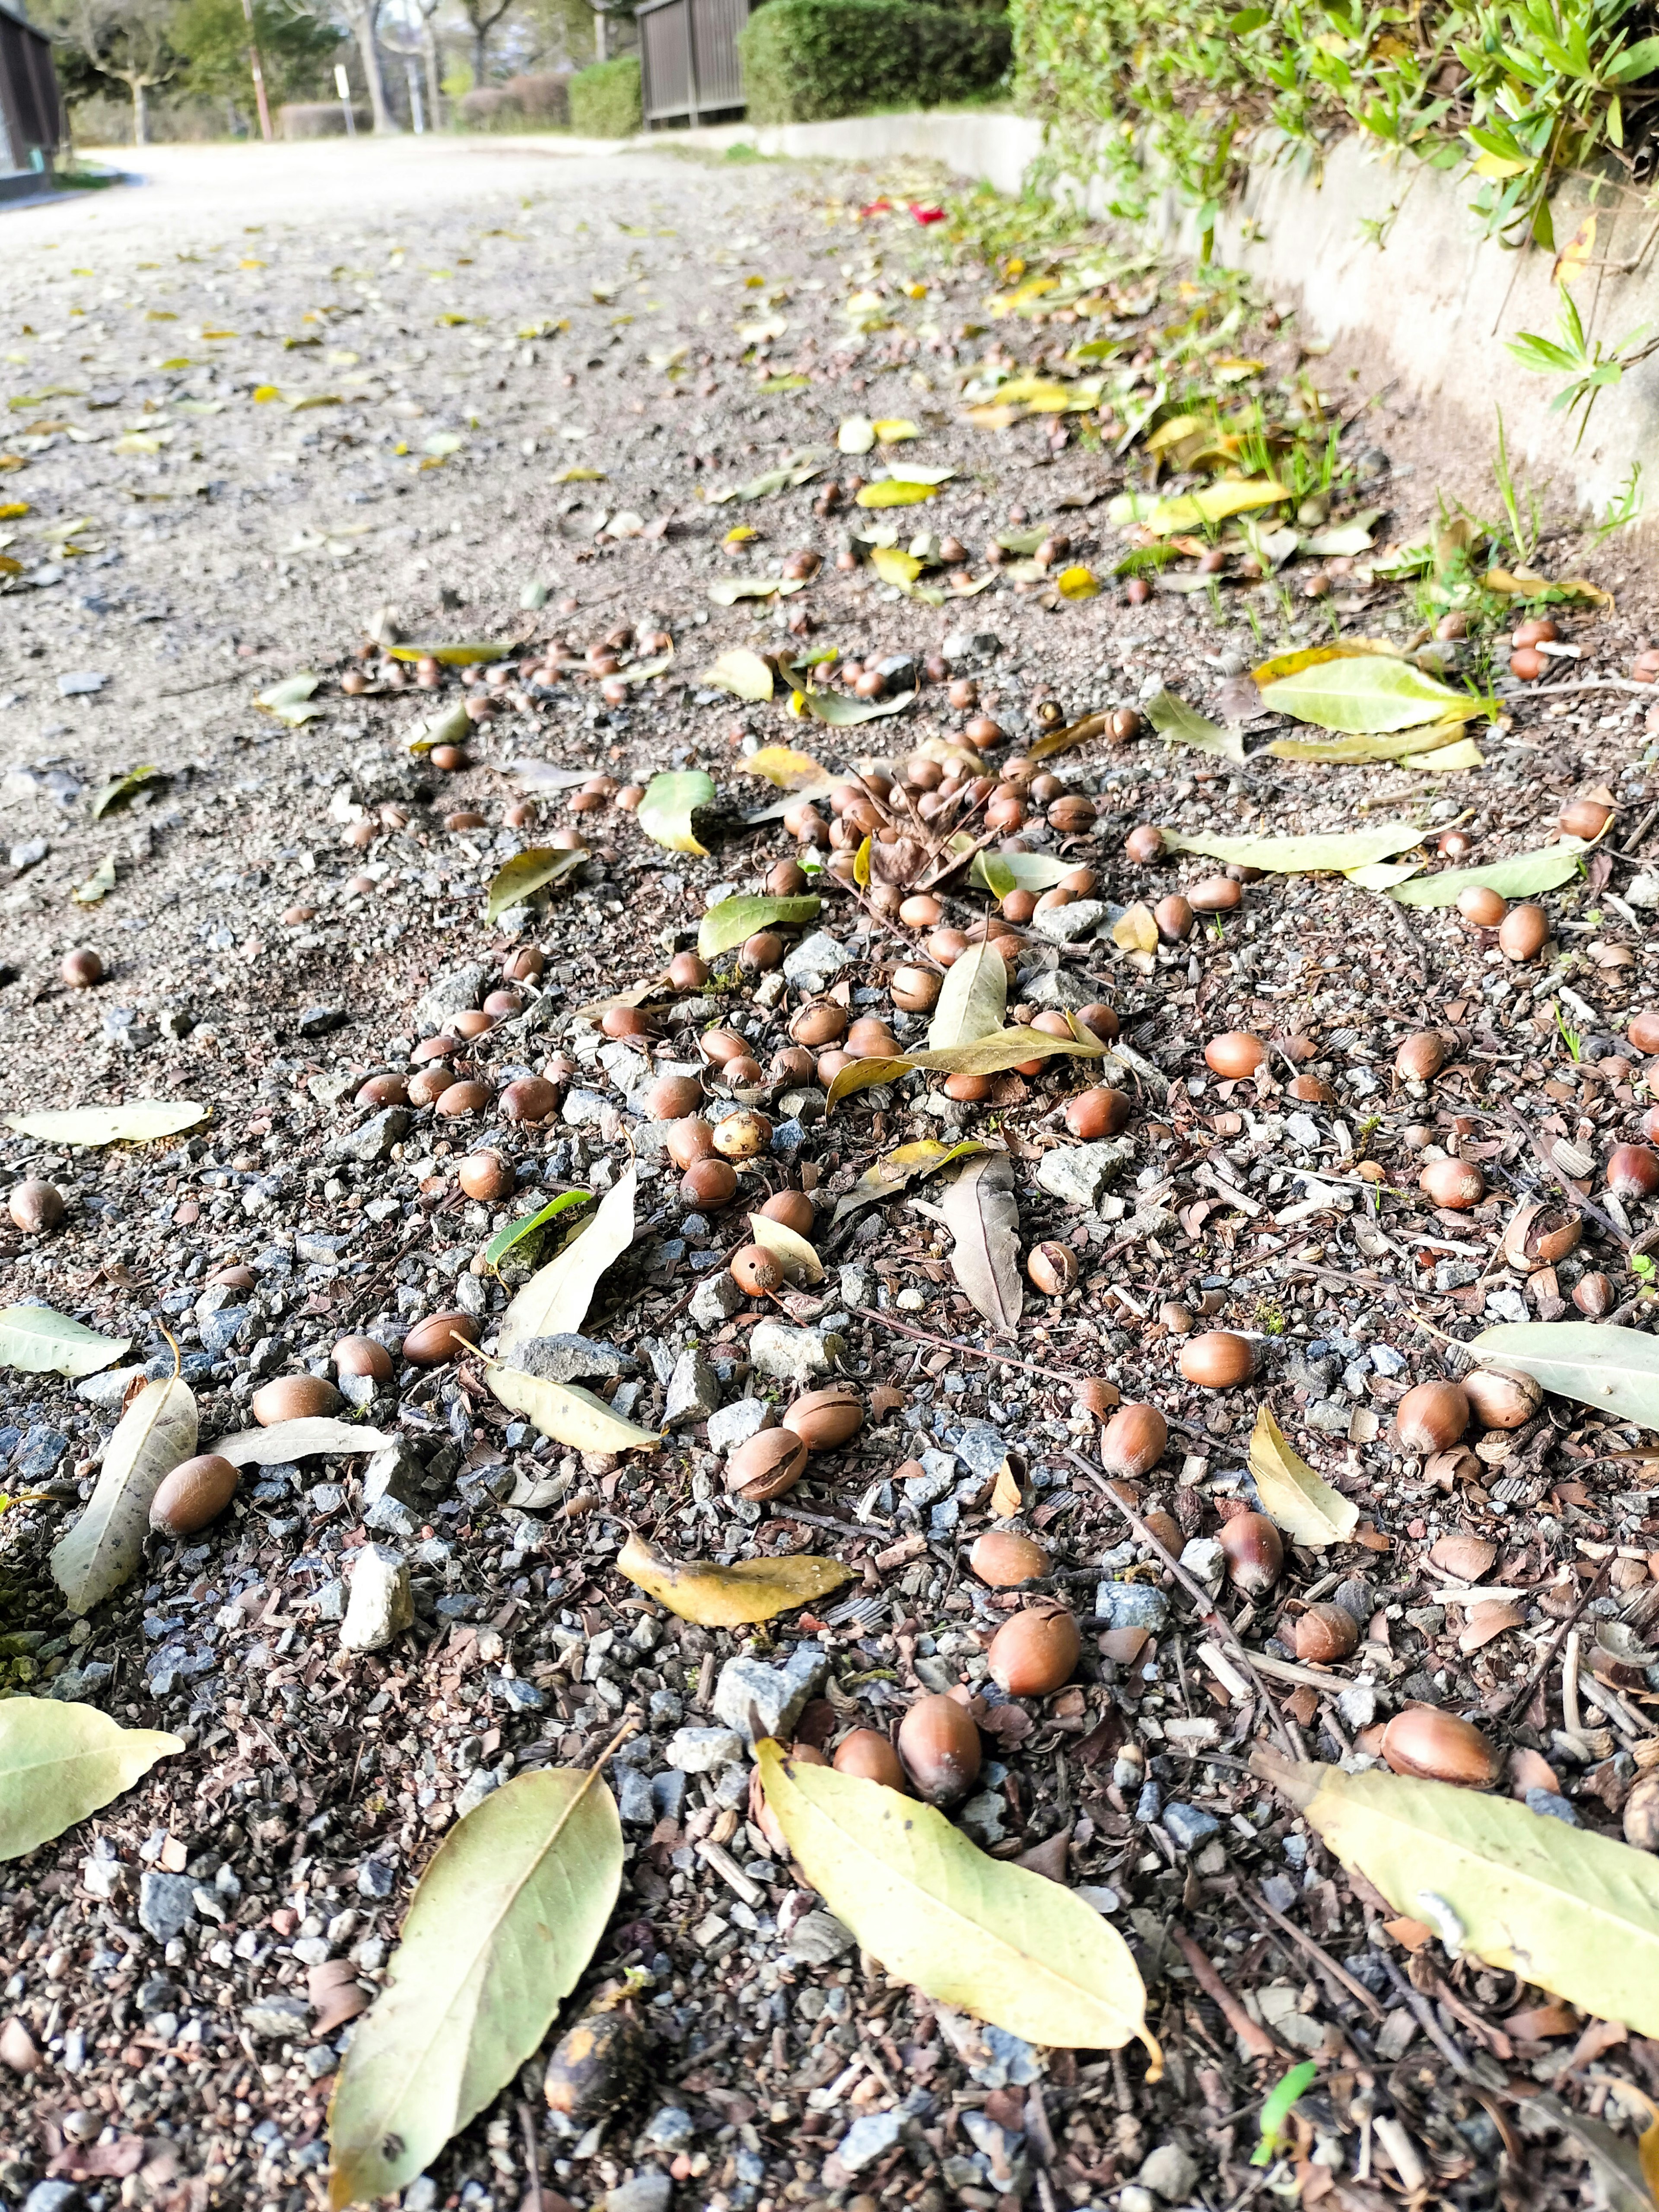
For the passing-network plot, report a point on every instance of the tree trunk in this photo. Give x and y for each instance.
(140, 112)
(434, 88)
(479, 54)
(363, 21)
(600, 43)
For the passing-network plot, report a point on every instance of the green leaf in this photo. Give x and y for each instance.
(1215, 502)
(671, 801)
(1172, 718)
(35, 1340)
(448, 726)
(290, 701)
(1309, 1511)
(1291, 856)
(98, 885)
(1614, 1369)
(741, 672)
(1276, 2108)
(473, 653)
(505, 1921)
(156, 1434)
(531, 1229)
(118, 792)
(527, 873)
(1521, 875)
(986, 1055)
(59, 1761)
(1363, 693)
(1576, 1912)
(736, 919)
(1385, 745)
(555, 1299)
(973, 1000)
(1002, 873)
(728, 1597)
(841, 713)
(967, 1930)
(140, 1122)
(567, 1414)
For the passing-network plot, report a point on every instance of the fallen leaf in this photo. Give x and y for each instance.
(982, 1215)
(1365, 693)
(1002, 873)
(891, 493)
(569, 1413)
(727, 590)
(1523, 875)
(527, 873)
(729, 1597)
(841, 713)
(895, 565)
(1615, 1370)
(500, 1930)
(1214, 502)
(908, 1163)
(800, 1262)
(986, 1055)
(1573, 1911)
(1172, 718)
(1277, 2108)
(735, 920)
(316, 1436)
(290, 702)
(1006, 1945)
(1309, 1511)
(103, 1549)
(672, 802)
(61, 1761)
(797, 773)
(525, 1235)
(121, 788)
(743, 673)
(1135, 929)
(973, 1000)
(471, 651)
(1303, 856)
(98, 885)
(1382, 746)
(139, 1123)
(555, 1299)
(36, 1341)
(1078, 582)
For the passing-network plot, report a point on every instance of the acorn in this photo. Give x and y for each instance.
(486, 1176)
(35, 1206)
(1174, 917)
(1594, 1294)
(1481, 905)
(1053, 1267)
(793, 1208)
(432, 1341)
(1583, 817)
(1641, 1813)
(1455, 1185)
(1502, 1398)
(826, 1420)
(82, 968)
(915, 990)
(939, 1746)
(1003, 1559)
(1254, 1551)
(709, 1182)
(1537, 1234)
(193, 1493)
(363, 1355)
(1165, 1529)
(1324, 1633)
(740, 1136)
(1218, 1360)
(1235, 1054)
(1633, 1171)
(1098, 1112)
(294, 1398)
(820, 1023)
(869, 1755)
(690, 1139)
(1100, 1021)
(463, 1098)
(1421, 1056)
(720, 1045)
(1035, 1651)
(596, 2066)
(1643, 1031)
(1134, 1441)
(1524, 933)
(1436, 1746)
(1432, 1417)
(1144, 845)
(755, 1272)
(766, 1466)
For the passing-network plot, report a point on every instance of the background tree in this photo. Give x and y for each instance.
(298, 51)
(128, 41)
(482, 18)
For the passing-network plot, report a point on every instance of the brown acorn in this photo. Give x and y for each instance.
(1323, 1633)
(755, 1272)
(1432, 1417)
(596, 2066)
(1003, 1559)
(1218, 1360)
(1254, 1551)
(869, 1755)
(1437, 1746)
(767, 1466)
(293, 1398)
(1502, 1398)
(1134, 1441)
(1035, 1651)
(939, 1746)
(193, 1493)
(826, 1420)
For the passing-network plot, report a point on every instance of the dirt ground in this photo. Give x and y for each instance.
(266, 406)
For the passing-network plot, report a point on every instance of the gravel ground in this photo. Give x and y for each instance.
(295, 909)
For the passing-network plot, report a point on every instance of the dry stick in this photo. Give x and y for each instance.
(1251, 2034)
(1209, 1614)
(1519, 1701)
(1257, 1903)
(1518, 1121)
(534, 2198)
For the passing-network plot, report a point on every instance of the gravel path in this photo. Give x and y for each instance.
(273, 409)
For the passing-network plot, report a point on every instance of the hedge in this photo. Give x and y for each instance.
(605, 100)
(804, 60)
(540, 100)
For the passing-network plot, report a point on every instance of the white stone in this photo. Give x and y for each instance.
(381, 1605)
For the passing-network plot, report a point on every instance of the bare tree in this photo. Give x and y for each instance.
(482, 18)
(363, 17)
(428, 14)
(126, 39)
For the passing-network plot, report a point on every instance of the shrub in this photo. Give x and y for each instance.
(804, 60)
(536, 101)
(605, 100)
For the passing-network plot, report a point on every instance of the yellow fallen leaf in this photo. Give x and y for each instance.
(1309, 1511)
(888, 493)
(1135, 931)
(894, 567)
(1571, 262)
(997, 1941)
(729, 1597)
(1077, 582)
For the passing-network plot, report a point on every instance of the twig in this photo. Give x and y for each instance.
(1519, 1701)
(1257, 1903)
(1209, 1614)
(824, 1521)
(1572, 1718)
(1514, 1115)
(1423, 2012)
(533, 2200)
(1250, 2032)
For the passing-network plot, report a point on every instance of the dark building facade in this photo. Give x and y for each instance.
(31, 107)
